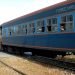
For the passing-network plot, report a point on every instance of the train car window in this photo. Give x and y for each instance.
(69, 24)
(31, 28)
(48, 25)
(19, 29)
(16, 30)
(40, 26)
(66, 23)
(3, 32)
(43, 28)
(54, 21)
(63, 28)
(63, 19)
(70, 18)
(52, 25)
(12, 30)
(69, 27)
(49, 22)
(24, 29)
(9, 31)
(49, 28)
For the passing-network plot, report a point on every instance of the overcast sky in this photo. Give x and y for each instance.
(10, 9)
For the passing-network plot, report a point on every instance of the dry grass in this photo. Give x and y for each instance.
(4, 70)
(70, 58)
(27, 67)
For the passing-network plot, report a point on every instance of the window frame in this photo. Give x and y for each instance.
(67, 26)
(51, 26)
(40, 28)
(31, 27)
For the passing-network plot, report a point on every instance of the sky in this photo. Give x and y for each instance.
(11, 9)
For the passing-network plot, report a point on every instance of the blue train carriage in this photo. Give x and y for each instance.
(49, 31)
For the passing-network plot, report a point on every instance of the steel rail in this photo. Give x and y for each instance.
(58, 63)
(12, 68)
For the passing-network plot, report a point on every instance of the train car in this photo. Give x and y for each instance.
(49, 31)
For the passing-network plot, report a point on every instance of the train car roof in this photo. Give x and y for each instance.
(41, 10)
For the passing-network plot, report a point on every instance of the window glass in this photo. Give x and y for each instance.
(3, 32)
(31, 28)
(62, 27)
(25, 29)
(67, 25)
(9, 31)
(19, 29)
(49, 22)
(69, 18)
(12, 30)
(63, 19)
(40, 26)
(54, 21)
(22, 29)
(52, 25)
(16, 30)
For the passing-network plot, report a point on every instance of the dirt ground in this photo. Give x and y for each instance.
(13, 65)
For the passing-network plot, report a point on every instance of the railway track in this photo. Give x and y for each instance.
(58, 63)
(46, 60)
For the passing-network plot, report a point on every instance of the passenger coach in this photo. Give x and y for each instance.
(49, 31)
